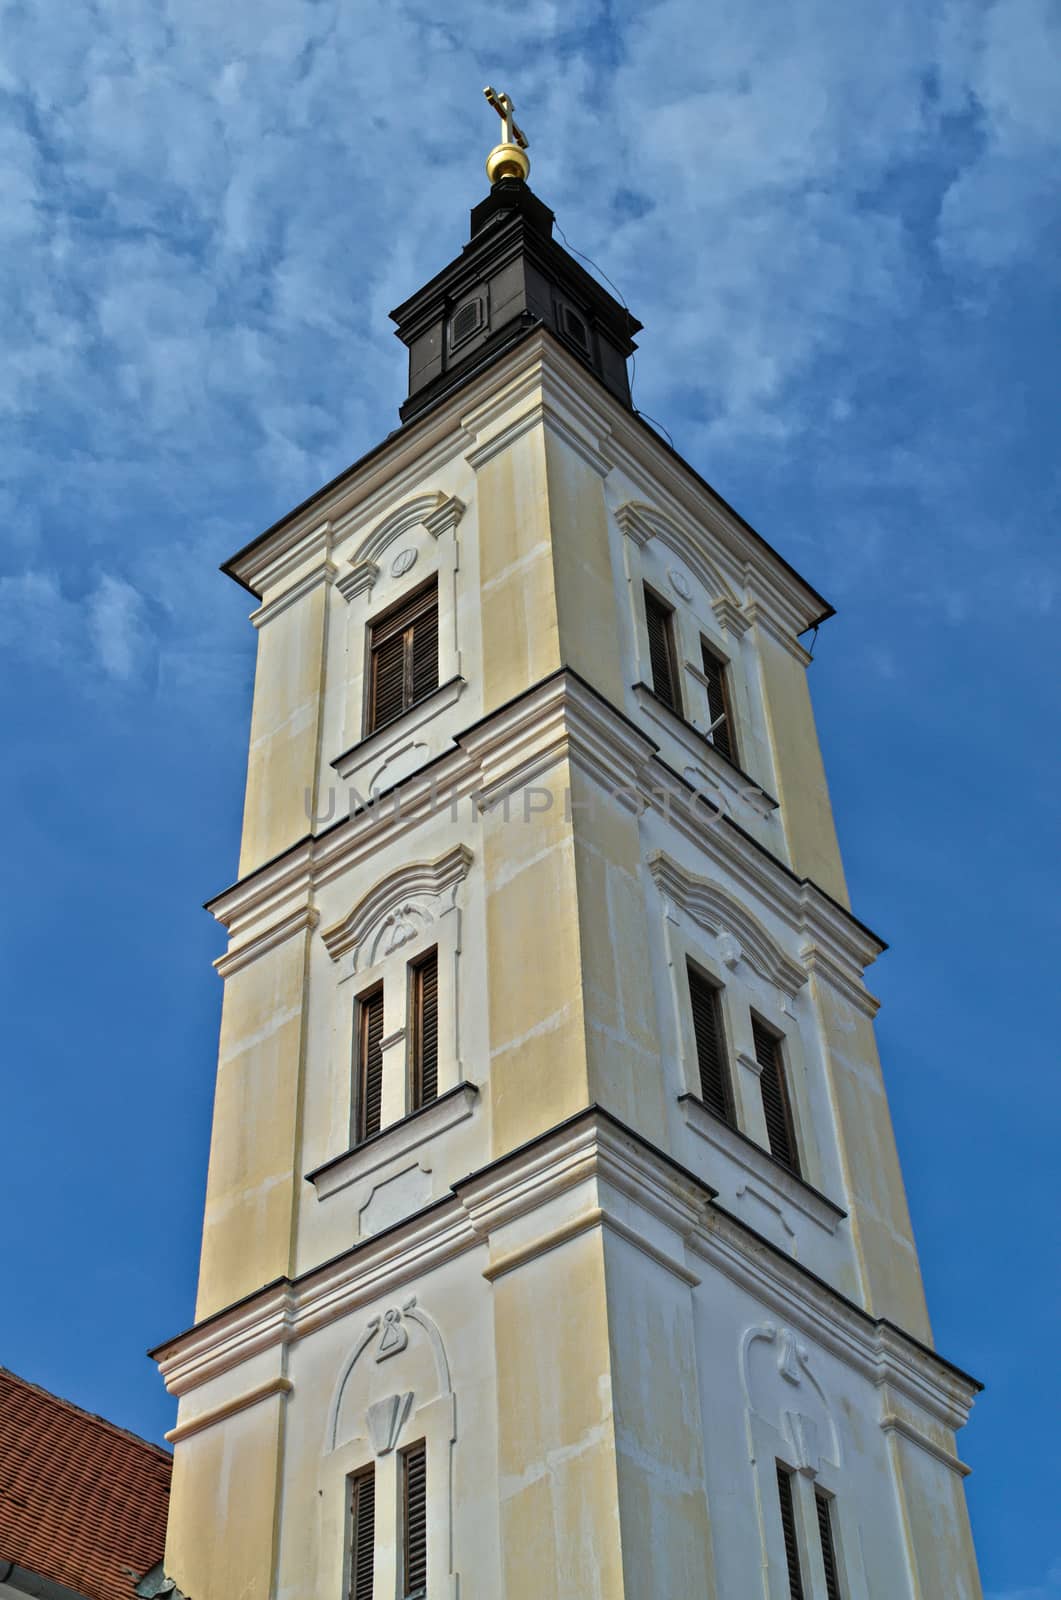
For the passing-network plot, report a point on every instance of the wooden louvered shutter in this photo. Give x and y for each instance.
(370, 1065)
(423, 669)
(388, 682)
(661, 654)
(414, 1521)
(715, 1089)
(778, 1113)
(362, 1533)
(722, 735)
(403, 649)
(425, 1030)
(825, 1530)
(788, 1528)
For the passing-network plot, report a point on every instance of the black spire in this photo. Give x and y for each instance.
(510, 277)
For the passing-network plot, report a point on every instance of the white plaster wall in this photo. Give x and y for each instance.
(417, 1171)
(462, 1510)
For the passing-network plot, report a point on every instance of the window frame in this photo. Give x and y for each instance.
(416, 1447)
(760, 1025)
(421, 602)
(795, 1556)
(352, 1588)
(824, 1506)
(709, 652)
(672, 645)
(359, 1133)
(695, 971)
(414, 1098)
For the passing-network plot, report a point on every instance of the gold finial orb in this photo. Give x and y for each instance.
(509, 159)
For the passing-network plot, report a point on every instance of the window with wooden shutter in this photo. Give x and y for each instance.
(403, 657)
(715, 1087)
(362, 1533)
(780, 1131)
(369, 1064)
(662, 653)
(722, 734)
(824, 1507)
(424, 1025)
(414, 1521)
(788, 1528)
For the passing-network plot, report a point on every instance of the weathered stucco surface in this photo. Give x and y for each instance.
(607, 1324)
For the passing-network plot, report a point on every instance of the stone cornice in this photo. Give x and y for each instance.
(611, 1178)
(561, 718)
(540, 374)
(238, 955)
(324, 572)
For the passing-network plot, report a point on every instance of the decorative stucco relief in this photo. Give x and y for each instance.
(436, 512)
(397, 908)
(641, 522)
(740, 935)
(781, 1390)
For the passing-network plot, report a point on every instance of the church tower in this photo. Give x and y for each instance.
(555, 1243)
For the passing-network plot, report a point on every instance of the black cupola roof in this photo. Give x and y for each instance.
(511, 276)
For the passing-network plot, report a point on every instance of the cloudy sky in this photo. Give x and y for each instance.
(838, 221)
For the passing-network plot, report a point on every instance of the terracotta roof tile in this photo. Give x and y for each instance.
(81, 1501)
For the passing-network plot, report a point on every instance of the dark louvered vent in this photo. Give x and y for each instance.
(661, 653)
(575, 328)
(718, 703)
(404, 657)
(825, 1529)
(788, 1528)
(425, 1030)
(362, 1533)
(466, 321)
(370, 1065)
(414, 1521)
(715, 1089)
(778, 1113)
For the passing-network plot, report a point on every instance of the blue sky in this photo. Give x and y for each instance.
(839, 224)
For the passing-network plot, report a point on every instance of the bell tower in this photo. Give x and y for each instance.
(555, 1240)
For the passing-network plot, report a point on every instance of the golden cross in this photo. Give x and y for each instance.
(502, 104)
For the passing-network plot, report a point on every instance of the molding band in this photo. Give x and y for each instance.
(894, 1424)
(541, 1246)
(229, 1408)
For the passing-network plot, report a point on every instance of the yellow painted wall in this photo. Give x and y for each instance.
(519, 625)
(254, 1179)
(285, 730)
(666, 1535)
(625, 1072)
(585, 586)
(880, 1216)
(802, 790)
(537, 1031)
(937, 1524)
(221, 1538)
(556, 1446)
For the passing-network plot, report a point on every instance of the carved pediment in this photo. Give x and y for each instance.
(642, 522)
(436, 512)
(741, 936)
(397, 908)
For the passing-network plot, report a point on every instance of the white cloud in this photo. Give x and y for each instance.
(211, 212)
(104, 633)
(119, 627)
(997, 207)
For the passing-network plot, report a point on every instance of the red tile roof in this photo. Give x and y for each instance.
(81, 1501)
